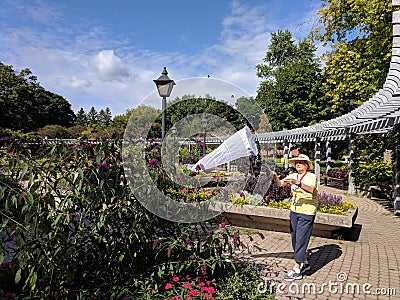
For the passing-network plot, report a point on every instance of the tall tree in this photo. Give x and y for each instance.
(26, 106)
(291, 92)
(359, 33)
(104, 116)
(93, 116)
(81, 118)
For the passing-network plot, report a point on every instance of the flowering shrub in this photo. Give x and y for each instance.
(77, 230)
(279, 204)
(327, 203)
(193, 194)
(186, 288)
(333, 204)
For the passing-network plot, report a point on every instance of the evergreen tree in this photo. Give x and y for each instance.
(93, 116)
(81, 118)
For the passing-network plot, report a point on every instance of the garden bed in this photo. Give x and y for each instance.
(274, 219)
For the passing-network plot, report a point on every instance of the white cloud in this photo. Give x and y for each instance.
(75, 83)
(76, 61)
(108, 66)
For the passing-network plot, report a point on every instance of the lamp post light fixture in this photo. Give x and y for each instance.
(164, 86)
(204, 124)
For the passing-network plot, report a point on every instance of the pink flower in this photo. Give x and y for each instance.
(201, 284)
(175, 279)
(193, 293)
(210, 289)
(168, 286)
(187, 285)
(223, 224)
(175, 298)
(188, 277)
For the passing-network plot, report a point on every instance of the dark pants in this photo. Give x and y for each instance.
(300, 227)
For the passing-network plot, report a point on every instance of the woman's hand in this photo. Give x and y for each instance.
(290, 181)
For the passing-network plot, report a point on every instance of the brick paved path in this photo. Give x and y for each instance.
(371, 262)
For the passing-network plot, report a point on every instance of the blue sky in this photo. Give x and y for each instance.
(107, 53)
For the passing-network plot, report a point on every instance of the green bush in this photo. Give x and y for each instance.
(79, 232)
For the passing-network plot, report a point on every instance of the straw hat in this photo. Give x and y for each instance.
(301, 157)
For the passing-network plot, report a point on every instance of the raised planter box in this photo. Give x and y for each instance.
(274, 219)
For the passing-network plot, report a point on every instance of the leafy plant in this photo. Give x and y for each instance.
(76, 229)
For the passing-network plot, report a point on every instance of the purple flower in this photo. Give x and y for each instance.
(103, 139)
(235, 240)
(223, 224)
(25, 196)
(152, 161)
(103, 166)
(200, 144)
(187, 241)
(227, 220)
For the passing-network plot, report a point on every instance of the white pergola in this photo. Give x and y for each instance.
(379, 114)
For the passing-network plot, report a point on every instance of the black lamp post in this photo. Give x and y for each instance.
(164, 86)
(204, 124)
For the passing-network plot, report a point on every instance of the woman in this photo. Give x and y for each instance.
(303, 208)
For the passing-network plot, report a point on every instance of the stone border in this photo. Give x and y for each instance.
(274, 219)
